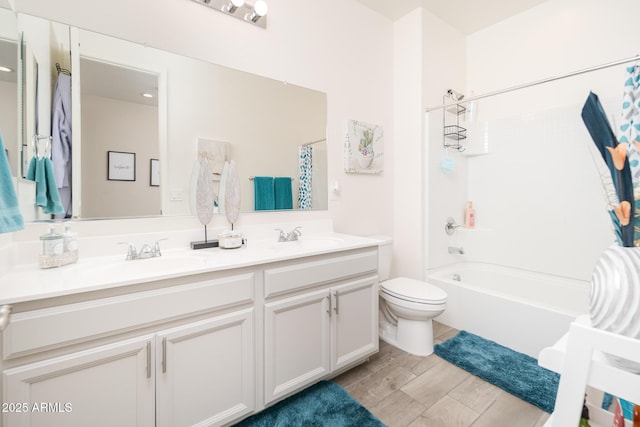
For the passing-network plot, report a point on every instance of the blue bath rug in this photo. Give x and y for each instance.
(324, 404)
(513, 372)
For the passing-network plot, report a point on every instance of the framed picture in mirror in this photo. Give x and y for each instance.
(121, 166)
(154, 173)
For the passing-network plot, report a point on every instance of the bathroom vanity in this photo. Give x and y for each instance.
(189, 338)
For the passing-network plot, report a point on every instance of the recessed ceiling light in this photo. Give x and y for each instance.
(6, 69)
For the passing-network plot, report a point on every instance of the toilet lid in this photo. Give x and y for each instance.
(414, 290)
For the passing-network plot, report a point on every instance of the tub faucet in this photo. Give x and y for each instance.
(456, 250)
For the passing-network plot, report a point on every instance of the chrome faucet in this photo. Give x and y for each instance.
(145, 252)
(292, 236)
(456, 250)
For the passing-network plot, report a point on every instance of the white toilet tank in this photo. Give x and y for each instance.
(385, 250)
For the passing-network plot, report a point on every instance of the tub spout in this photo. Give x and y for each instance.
(456, 250)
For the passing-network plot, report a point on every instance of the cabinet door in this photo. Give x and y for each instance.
(108, 386)
(205, 371)
(296, 342)
(355, 321)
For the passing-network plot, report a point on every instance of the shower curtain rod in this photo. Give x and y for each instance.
(313, 142)
(538, 82)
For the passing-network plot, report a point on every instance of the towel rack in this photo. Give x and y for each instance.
(252, 177)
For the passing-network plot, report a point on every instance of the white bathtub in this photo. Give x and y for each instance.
(520, 309)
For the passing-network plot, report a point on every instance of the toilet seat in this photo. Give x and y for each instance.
(413, 290)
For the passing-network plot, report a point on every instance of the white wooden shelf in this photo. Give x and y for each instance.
(578, 358)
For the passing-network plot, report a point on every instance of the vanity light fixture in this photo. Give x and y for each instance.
(254, 15)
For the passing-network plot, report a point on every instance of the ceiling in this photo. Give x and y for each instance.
(467, 16)
(115, 82)
(8, 58)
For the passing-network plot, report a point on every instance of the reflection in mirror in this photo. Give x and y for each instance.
(265, 123)
(9, 88)
(119, 113)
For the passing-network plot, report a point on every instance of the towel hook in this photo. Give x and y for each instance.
(35, 141)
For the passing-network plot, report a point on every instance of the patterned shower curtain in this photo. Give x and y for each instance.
(306, 173)
(630, 134)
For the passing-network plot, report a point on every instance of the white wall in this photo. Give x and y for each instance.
(538, 196)
(444, 68)
(338, 47)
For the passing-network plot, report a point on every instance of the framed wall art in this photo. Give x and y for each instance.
(121, 166)
(154, 173)
(363, 148)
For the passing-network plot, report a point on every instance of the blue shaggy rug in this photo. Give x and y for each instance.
(324, 404)
(513, 372)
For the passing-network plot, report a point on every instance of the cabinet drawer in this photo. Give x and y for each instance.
(54, 327)
(307, 274)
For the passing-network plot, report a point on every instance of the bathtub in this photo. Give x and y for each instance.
(521, 309)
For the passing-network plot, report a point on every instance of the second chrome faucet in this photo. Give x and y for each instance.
(145, 252)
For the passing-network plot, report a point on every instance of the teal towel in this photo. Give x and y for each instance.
(283, 196)
(264, 196)
(10, 216)
(47, 196)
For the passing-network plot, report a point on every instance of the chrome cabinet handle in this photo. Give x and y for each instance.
(148, 359)
(164, 355)
(335, 307)
(328, 297)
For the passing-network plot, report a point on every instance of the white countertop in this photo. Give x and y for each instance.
(28, 282)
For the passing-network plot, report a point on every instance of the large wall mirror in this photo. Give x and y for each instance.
(154, 109)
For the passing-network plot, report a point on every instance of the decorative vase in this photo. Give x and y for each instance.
(614, 301)
(365, 160)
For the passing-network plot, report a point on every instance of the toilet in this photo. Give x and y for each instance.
(407, 306)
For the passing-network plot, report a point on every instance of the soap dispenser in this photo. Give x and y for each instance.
(52, 242)
(70, 238)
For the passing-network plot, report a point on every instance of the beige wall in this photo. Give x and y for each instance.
(137, 132)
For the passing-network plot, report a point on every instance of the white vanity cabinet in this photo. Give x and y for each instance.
(111, 385)
(319, 316)
(207, 347)
(194, 363)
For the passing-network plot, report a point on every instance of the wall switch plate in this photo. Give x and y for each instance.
(176, 195)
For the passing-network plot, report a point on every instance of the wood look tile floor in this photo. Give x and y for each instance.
(403, 390)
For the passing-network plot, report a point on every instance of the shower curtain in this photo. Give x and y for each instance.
(306, 173)
(630, 131)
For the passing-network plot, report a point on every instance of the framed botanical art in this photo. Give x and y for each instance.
(154, 173)
(121, 166)
(363, 148)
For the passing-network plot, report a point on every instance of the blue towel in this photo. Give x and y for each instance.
(47, 196)
(282, 189)
(10, 216)
(264, 196)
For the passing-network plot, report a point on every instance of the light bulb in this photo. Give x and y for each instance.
(260, 8)
(233, 5)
